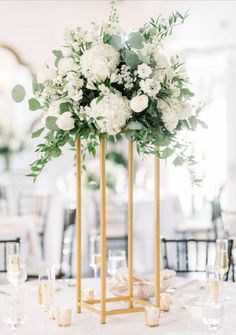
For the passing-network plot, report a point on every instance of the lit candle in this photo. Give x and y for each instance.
(165, 302)
(88, 294)
(213, 289)
(64, 316)
(46, 293)
(152, 314)
(14, 263)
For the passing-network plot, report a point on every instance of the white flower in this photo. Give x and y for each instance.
(66, 65)
(65, 121)
(170, 119)
(104, 89)
(139, 103)
(114, 110)
(144, 71)
(163, 66)
(150, 86)
(75, 94)
(99, 62)
(54, 108)
(184, 111)
(46, 74)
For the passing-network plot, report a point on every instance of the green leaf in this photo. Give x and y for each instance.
(116, 42)
(51, 123)
(136, 40)
(34, 104)
(64, 107)
(58, 54)
(134, 125)
(161, 139)
(35, 85)
(18, 93)
(131, 59)
(178, 161)
(203, 124)
(37, 133)
(193, 122)
(167, 152)
(56, 152)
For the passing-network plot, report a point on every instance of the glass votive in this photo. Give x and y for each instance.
(213, 289)
(165, 302)
(152, 315)
(87, 294)
(64, 316)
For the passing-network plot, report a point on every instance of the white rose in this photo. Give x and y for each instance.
(184, 111)
(65, 121)
(139, 103)
(46, 74)
(144, 71)
(66, 65)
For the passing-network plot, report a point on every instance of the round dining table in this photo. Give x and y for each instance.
(184, 317)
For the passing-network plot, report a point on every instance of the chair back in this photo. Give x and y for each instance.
(4, 206)
(191, 255)
(3, 253)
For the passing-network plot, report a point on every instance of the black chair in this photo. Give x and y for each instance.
(67, 245)
(3, 251)
(191, 256)
(38, 206)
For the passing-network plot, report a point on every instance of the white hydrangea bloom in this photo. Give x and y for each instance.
(114, 110)
(150, 86)
(99, 62)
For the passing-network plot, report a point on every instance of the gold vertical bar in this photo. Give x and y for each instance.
(157, 230)
(103, 225)
(130, 219)
(78, 225)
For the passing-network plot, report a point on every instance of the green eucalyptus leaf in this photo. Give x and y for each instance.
(131, 59)
(51, 123)
(56, 152)
(116, 42)
(34, 104)
(178, 161)
(167, 152)
(136, 40)
(38, 132)
(18, 93)
(64, 107)
(203, 124)
(162, 139)
(59, 55)
(134, 125)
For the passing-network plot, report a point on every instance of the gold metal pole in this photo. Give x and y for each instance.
(157, 230)
(103, 225)
(78, 225)
(130, 219)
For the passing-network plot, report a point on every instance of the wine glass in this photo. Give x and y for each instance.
(116, 260)
(13, 313)
(222, 259)
(212, 284)
(95, 254)
(16, 269)
(212, 316)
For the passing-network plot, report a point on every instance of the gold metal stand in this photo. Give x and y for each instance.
(130, 299)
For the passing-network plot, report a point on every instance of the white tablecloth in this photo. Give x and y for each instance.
(177, 322)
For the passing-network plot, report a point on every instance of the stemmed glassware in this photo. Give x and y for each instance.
(222, 260)
(116, 260)
(13, 314)
(16, 269)
(95, 254)
(212, 315)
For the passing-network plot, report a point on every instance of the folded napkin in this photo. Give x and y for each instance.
(143, 287)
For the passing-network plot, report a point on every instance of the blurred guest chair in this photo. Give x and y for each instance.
(191, 255)
(37, 207)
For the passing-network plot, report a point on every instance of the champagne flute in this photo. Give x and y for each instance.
(212, 284)
(95, 254)
(212, 316)
(116, 260)
(222, 259)
(16, 269)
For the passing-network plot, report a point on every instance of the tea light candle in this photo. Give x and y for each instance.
(213, 289)
(64, 316)
(87, 294)
(14, 263)
(165, 302)
(152, 315)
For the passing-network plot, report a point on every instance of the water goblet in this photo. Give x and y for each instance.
(212, 316)
(116, 260)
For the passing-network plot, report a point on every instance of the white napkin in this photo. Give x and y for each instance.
(143, 287)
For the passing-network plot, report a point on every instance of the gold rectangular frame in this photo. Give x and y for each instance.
(130, 299)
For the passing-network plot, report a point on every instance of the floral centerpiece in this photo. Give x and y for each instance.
(106, 82)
